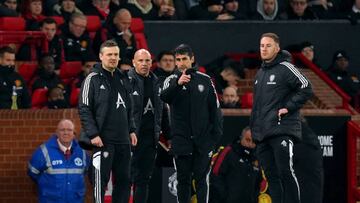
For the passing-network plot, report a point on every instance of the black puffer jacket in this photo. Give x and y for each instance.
(278, 84)
(94, 99)
(137, 94)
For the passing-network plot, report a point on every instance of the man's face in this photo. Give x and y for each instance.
(122, 21)
(183, 61)
(232, 6)
(247, 140)
(167, 63)
(56, 94)
(230, 96)
(68, 5)
(8, 59)
(308, 52)
(342, 63)
(269, 6)
(109, 57)
(65, 132)
(298, 6)
(78, 26)
(49, 30)
(86, 68)
(101, 3)
(48, 64)
(268, 49)
(142, 62)
(11, 4)
(36, 7)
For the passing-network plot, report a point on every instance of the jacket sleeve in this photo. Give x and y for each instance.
(170, 88)
(86, 107)
(36, 165)
(215, 113)
(301, 88)
(131, 120)
(26, 99)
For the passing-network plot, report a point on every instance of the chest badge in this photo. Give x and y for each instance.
(271, 80)
(201, 88)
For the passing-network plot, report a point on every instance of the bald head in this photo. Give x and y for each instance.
(230, 95)
(142, 62)
(122, 19)
(65, 132)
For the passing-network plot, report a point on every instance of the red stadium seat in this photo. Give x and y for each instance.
(247, 100)
(12, 24)
(141, 42)
(70, 69)
(59, 20)
(93, 24)
(27, 71)
(39, 98)
(137, 25)
(74, 97)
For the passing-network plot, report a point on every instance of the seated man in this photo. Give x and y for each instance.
(59, 167)
(13, 91)
(235, 175)
(56, 99)
(230, 99)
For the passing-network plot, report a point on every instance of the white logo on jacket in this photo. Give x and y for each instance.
(201, 87)
(120, 101)
(56, 162)
(78, 161)
(149, 107)
(271, 80)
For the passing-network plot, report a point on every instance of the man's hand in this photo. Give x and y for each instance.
(133, 139)
(184, 78)
(127, 36)
(282, 111)
(97, 141)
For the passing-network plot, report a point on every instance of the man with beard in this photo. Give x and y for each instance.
(230, 99)
(13, 91)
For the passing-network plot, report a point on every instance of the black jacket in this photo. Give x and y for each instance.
(196, 118)
(137, 94)
(278, 84)
(93, 102)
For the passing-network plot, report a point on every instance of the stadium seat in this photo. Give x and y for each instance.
(39, 98)
(141, 42)
(93, 24)
(27, 71)
(74, 97)
(247, 100)
(12, 24)
(70, 69)
(59, 20)
(137, 25)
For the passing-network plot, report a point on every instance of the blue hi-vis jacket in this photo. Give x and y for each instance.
(59, 179)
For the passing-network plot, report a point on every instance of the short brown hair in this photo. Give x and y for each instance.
(6, 49)
(108, 43)
(271, 35)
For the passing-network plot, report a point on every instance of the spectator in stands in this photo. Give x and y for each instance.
(339, 73)
(232, 8)
(55, 49)
(76, 40)
(13, 91)
(307, 49)
(166, 8)
(147, 10)
(59, 167)
(310, 176)
(125, 65)
(119, 31)
(165, 64)
(56, 99)
(324, 9)
(99, 8)
(267, 10)
(230, 98)
(236, 175)
(32, 13)
(8, 8)
(85, 70)
(209, 10)
(298, 10)
(66, 8)
(232, 73)
(354, 13)
(46, 76)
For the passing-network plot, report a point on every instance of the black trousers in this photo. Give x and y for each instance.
(142, 166)
(115, 158)
(276, 157)
(308, 164)
(192, 167)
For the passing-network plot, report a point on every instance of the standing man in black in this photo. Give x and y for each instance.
(196, 124)
(280, 90)
(147, 116)
(106, 118)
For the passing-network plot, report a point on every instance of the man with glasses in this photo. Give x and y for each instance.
(76, 40)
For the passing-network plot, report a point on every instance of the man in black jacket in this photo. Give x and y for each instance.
(196, 124)
(280, 90)
(106, 118)
(147, 115)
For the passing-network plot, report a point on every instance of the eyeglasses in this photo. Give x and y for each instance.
(78, 25)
